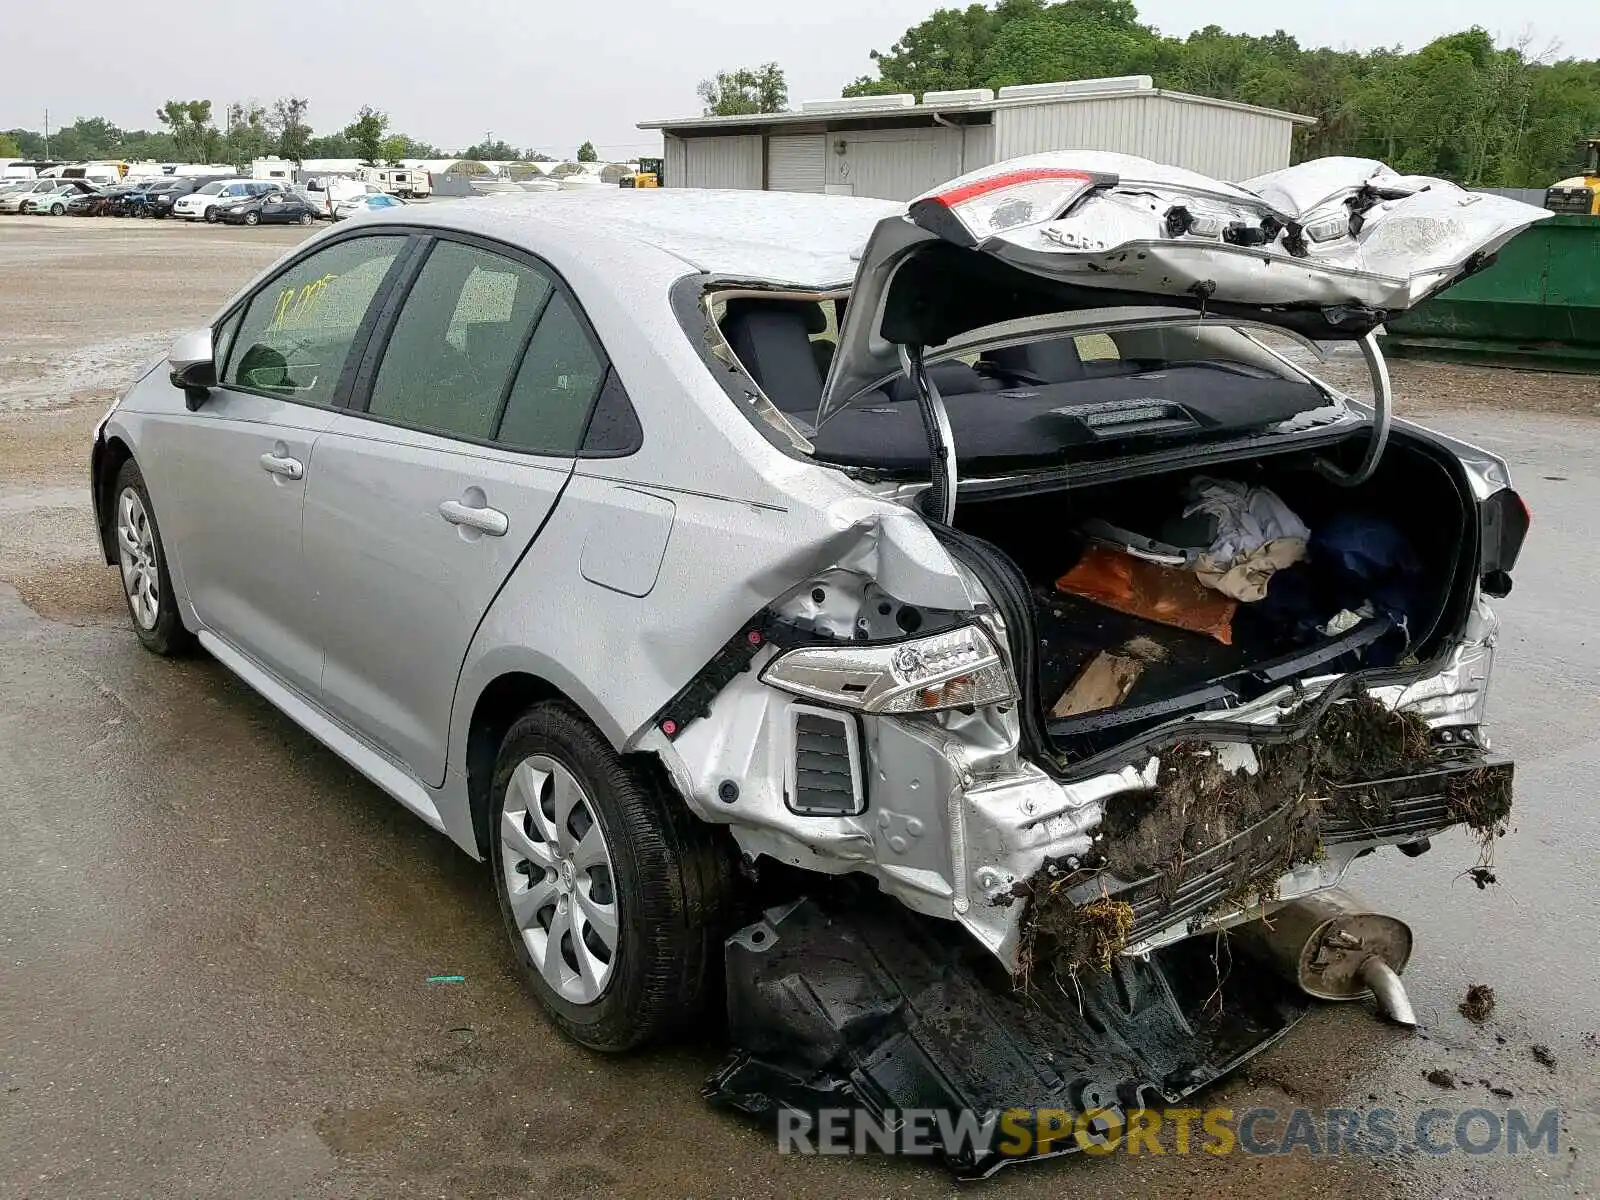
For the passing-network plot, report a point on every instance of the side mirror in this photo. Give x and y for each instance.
(193, 367)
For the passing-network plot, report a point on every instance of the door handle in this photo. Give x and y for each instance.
(280, 464)
(486, 520)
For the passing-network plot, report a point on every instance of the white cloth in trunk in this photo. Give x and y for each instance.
(1257, 534)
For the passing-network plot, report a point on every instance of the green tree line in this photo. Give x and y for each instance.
(189, 131)
(1460, 107)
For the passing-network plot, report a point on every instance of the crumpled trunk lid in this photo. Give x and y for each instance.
(1348, 241)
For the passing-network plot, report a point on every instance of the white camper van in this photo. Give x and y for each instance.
(279, 169)
(406, 182)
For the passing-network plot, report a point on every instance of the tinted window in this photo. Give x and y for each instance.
(299, 328)
(457, 341)
(555, 387)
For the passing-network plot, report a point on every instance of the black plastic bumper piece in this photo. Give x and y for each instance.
(870, 1008)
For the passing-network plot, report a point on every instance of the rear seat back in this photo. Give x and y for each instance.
(1054, 361)
(773, 340)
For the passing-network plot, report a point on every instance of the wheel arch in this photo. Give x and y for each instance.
(105, 460)
(498, 703)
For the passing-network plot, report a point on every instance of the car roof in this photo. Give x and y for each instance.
(770, 237)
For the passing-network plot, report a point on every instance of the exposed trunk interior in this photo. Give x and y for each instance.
(1414, 493)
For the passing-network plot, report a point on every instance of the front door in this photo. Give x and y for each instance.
(242, 461)
(422, 505)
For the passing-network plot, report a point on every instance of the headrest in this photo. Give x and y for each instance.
(809, 310)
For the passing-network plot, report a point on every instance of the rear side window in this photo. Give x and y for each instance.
(457, 342)
(298, 329)
(549, 403)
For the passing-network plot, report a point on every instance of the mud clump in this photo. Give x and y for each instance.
(1201, 801)
(1543, 1055)
(1481, 800)
(1441, 1078)
(1076, 937)
(1478, 1004)
(1198, 802)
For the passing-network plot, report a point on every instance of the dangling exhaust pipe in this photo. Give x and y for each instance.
(1335, 949)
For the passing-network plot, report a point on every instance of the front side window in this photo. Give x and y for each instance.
(457, 341)
(298, 329)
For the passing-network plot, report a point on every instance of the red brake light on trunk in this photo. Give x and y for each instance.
(975, 209)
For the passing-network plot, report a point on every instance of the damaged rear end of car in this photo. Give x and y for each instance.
(1139, 634)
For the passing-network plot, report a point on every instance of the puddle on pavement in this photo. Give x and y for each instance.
(77, 593)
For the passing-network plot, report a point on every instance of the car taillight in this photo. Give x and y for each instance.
(976, 207)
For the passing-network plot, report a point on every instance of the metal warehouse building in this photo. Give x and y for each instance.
(894, 148)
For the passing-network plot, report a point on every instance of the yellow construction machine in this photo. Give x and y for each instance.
(1580, 195)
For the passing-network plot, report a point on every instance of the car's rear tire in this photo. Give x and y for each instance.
(589, 848)
(58, 210)
(211, 216)
(251, 218)
(142, 561)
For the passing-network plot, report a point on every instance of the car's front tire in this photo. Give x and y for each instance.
(613, 893)
(142, 561)
(251, 218)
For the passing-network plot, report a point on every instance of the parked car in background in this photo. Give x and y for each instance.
(114, 200)
(54, 201)
(89, 204)
(275, 208)
(163, 202)
(356, 205)
(13, 200)
(140, 202)
(328, 190)
(204, 203)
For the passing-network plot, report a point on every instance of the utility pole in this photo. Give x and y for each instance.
(47, 133)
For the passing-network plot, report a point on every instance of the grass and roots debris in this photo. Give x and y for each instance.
(1277, 812)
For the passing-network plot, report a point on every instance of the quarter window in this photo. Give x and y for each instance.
(549, 403)
(298, 330)
(457, 342)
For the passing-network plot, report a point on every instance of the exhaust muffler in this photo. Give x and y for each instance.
(1335, 949)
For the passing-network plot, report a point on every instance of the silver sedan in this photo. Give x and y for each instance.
(660, 546)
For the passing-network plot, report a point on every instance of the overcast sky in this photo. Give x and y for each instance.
(551, 73)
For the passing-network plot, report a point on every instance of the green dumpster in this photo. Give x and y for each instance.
(1538, 305)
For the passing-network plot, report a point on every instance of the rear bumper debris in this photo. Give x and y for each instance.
(870, 1009)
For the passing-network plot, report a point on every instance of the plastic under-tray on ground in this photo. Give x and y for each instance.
(866, 1007)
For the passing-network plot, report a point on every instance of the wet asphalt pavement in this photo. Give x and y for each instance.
(217, 939)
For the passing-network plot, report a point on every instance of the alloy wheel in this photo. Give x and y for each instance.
(559, 880)
(136, 554)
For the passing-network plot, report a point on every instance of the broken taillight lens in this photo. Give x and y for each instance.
(974, 209)
(958, 669)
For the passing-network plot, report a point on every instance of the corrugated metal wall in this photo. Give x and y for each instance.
(675, 161)
(718, 162)
(893, 164)
(978, 147)
(1224, 142)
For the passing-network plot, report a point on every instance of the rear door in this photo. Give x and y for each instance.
(240, 463)
(423, 503)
